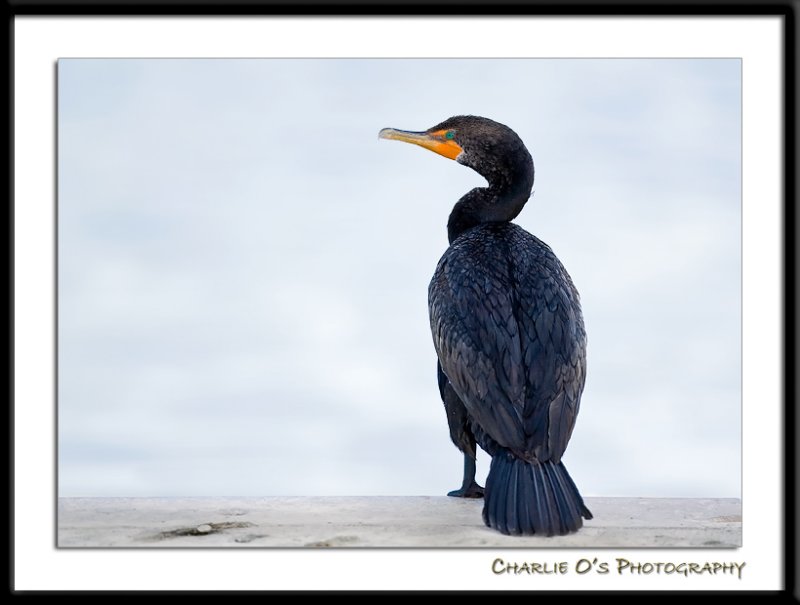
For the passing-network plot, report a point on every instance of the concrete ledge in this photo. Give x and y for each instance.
(381, 522)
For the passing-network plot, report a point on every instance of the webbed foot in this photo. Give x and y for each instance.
(472, 491)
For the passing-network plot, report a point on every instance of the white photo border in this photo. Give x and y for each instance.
(40, 41)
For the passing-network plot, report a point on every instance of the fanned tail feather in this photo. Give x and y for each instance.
(531, 498)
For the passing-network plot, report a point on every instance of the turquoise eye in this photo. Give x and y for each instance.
(449, 134)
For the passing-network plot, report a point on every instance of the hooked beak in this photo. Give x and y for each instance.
(434, 141)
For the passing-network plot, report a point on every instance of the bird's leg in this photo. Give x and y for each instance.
(469, 489)
(461, 433)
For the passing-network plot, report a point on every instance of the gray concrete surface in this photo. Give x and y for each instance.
(421, 521)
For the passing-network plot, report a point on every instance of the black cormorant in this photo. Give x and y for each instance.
(508, 331)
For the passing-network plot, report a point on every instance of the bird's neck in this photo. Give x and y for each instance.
(500, 202)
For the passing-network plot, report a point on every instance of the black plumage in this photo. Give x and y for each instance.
(509, 334)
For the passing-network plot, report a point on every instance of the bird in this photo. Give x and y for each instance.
(509, 336)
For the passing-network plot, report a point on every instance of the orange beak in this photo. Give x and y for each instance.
(434, 141)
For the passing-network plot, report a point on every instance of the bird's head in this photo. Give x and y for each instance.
(492, 150)
(488, 147)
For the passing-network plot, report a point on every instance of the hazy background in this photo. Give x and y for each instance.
(243, 270)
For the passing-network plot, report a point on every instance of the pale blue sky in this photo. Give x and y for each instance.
(243, 269)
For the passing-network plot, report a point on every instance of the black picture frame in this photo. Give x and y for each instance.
(785, 9)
